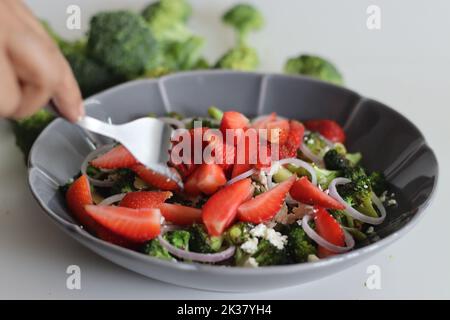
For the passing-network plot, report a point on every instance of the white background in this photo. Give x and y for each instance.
(405, 64)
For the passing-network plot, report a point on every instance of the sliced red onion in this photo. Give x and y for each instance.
(349, 241)
(297, 162)
(242, 176)
(353, 212)
(113, 199)
(311, 156)
(195, 256)
(91, 156)
(174, 122)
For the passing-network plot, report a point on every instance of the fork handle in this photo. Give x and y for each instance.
(97, 126)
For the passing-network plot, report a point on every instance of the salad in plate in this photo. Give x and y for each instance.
(292, 195)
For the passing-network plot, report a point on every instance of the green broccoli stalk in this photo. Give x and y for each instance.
(238, 233)
(123, 42)
(27, 130)
(244, 18)
(215, 113)
(299, 245)
(167, 19)
(315, 67)
(201, 242)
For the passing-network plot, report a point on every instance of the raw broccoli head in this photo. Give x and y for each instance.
(378, 182)
(167, 19)
(244, 18)
(183, 55)
(178, 238)
(155, 249)
(315, 67)
(201, 242)
(123, 42)
(265, 255)
(238, 233)
(299, 245)
(27, 130)
(336, 161)
(242, 58)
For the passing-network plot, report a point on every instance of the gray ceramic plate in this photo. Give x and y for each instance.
(388, 141)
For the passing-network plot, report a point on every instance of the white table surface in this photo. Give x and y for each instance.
(405, 64)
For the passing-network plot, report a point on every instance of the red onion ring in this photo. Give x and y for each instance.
(174, 122)
(244, 175)
(194, 256)
(353, 212)
(91, 156)
(297, 162)
(349, 241)
(113, 199)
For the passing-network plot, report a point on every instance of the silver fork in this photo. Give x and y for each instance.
(148, 140)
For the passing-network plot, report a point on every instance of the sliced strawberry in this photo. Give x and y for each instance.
(262, 123)
(240, 169)
(154, 179)
(180, 215)
(220, 210)
(329, 229)
(116, 158)
(328, 128)
(210, 177)
(138, 225)
(256, 153)
(233, 120)
(145, 199)
(77, 197)
(305, 192)
(266, 205)
(191, 184)
(293, 141)
(277, 131)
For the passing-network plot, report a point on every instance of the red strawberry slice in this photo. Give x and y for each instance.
(305, 192)
(249, 152)
(145, 199)
(262, 123)
(328, 128)
(77, 197)
(191, 184)
(154, 179)
(240, 169)
(180, 215)
(210, 177)
(329, 229)
(138, 225)
(233, 120)
(293, 141)
(220, 210)
(266, 205)
(116, 158)
(277, 131)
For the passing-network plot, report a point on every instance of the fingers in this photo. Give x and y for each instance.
(9, 88)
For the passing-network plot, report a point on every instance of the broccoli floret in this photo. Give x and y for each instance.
(124, 182)
(378, 182)
(155, 249)
(244, 18)
(27, 130)
(299, 245)
(167, 19)
(315, 67)
(241, 58)
(315, 142)
(336, 161)
(354, 158)
(238, 233)
(178, 238)
(123, 42)
(201, 242)
(266, 255)
(324, 176)
(183, 55)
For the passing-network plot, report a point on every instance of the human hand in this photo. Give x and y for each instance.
(32, 69)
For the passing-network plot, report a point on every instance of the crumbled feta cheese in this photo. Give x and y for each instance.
(392, 202)
(269, 234)
(250, 246)
(250, 263)
(275, 238)
(260, 177)
(312, 258)
(383, 196)
(370, 230)
(259, 230)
